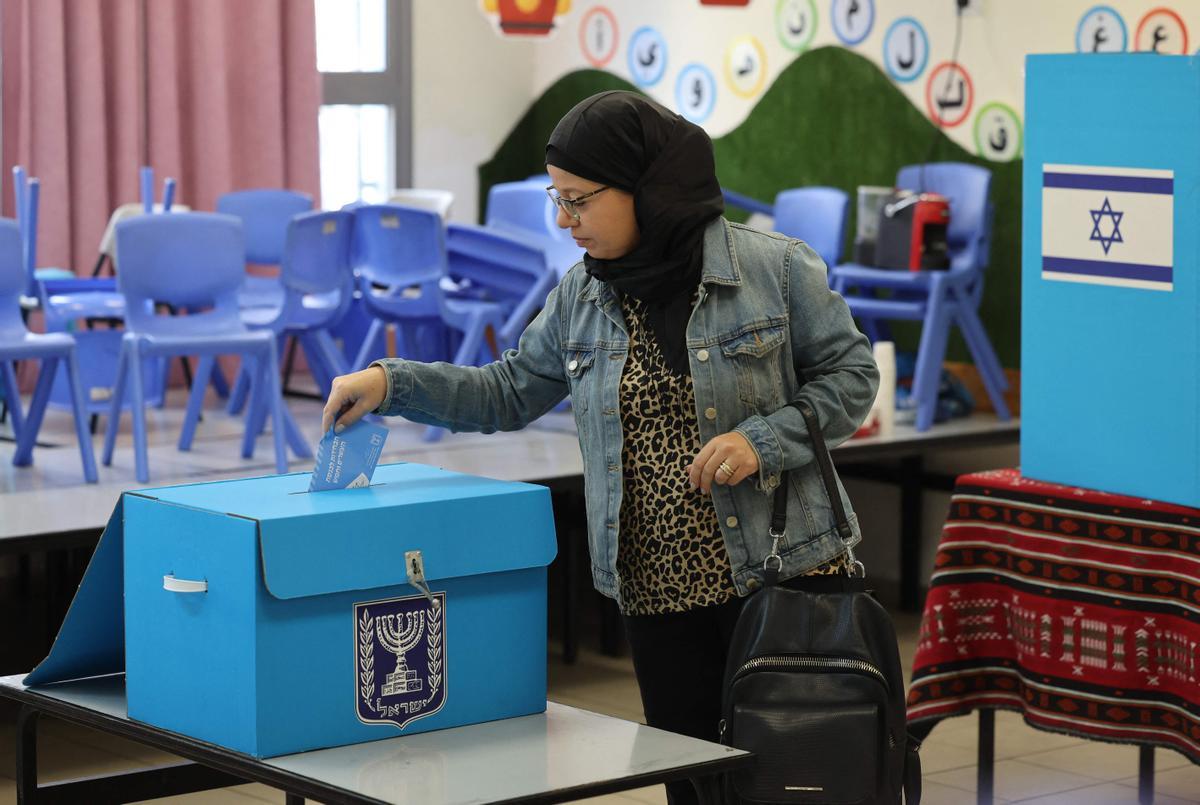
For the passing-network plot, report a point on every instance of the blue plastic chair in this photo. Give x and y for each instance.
(523, 210)
(146, 183)
(817, 216)
(23, 186)
(192, 261)
(747, 203)
(318, 287)
(937, 299)
(17, 343)
(402, 253)
(66, 299)
(265, 214)
(400, 260)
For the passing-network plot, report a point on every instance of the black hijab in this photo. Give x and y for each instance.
(629, 142)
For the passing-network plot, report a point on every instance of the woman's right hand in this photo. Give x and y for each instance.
(354, 395)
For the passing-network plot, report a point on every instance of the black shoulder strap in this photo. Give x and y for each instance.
(825, 464)
(912, 772)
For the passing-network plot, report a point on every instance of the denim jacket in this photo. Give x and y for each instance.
(766, 330)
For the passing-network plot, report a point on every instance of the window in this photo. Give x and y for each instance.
(355, 153)
(351, 36)
(365, 120)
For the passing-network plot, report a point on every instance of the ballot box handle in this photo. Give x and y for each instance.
(174, 585)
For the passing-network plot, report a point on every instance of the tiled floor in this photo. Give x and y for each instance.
(1031, 766)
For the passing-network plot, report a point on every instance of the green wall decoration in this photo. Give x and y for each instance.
(831, 118)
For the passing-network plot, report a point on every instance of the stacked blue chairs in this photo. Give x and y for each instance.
(192, 261)
(265, 214)
(937, 299)
(318, 288)
(817, 216)
(503, 269)
(17, 343)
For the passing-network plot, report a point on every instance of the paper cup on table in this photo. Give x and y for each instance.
(885, 400)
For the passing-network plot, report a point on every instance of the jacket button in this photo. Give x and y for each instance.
(731, 522)
(752, 584)
(710, 413)
(772, 481)
(572, 366)
(702, 355)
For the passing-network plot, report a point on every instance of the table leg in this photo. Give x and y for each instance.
(708, 789)
(566, 524)
(912, 469)
(1145, 775)
(27, 769)
(987, 752)
(570, 592)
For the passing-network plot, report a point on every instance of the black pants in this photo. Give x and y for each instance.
(679, 661)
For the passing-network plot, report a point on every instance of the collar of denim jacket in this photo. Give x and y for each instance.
(720, 259)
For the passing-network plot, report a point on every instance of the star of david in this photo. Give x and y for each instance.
(1113, 237)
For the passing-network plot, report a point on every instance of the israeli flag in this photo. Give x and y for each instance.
(1108, 226)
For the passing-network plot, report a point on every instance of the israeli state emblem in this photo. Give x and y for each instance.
(400, 657)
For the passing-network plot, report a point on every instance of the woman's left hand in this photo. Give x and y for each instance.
(731, 448)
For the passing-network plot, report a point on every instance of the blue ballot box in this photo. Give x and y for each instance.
(271, 620)
(1110, 376)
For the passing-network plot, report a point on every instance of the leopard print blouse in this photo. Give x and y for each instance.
(670, 553)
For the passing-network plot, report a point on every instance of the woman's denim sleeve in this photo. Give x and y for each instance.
(834, 366)
(504, 395)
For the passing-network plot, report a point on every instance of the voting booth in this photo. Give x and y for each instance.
(1110, 312)
(261, 617)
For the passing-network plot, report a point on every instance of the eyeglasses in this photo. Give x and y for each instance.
(571, 205)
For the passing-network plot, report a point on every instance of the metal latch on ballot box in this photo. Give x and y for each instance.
(415, 566)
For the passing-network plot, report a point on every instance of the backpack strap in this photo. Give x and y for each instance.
(912, 772)
(779, 508)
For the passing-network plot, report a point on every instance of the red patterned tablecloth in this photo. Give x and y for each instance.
(1077, 608)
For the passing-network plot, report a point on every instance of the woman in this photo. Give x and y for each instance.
(681, 339)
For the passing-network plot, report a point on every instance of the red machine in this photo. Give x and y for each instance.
(912, 232)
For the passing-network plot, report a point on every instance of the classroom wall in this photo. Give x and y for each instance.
(472, 83)
(469, 86)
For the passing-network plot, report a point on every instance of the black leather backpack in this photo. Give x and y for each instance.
(813, 684)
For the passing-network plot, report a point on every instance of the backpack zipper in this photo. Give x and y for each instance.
(784, 661)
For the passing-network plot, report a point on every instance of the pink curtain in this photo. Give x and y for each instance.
(229, 101)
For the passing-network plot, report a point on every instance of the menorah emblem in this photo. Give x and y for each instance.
(410, 632)
(400, 640)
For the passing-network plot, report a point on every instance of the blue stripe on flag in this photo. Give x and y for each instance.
(1099, 268)
(1115, 184)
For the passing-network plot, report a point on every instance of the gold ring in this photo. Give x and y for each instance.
(728, 470)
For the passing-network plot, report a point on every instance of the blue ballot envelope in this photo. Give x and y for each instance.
(1110, 311)
(255, 615)
(347, 460)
